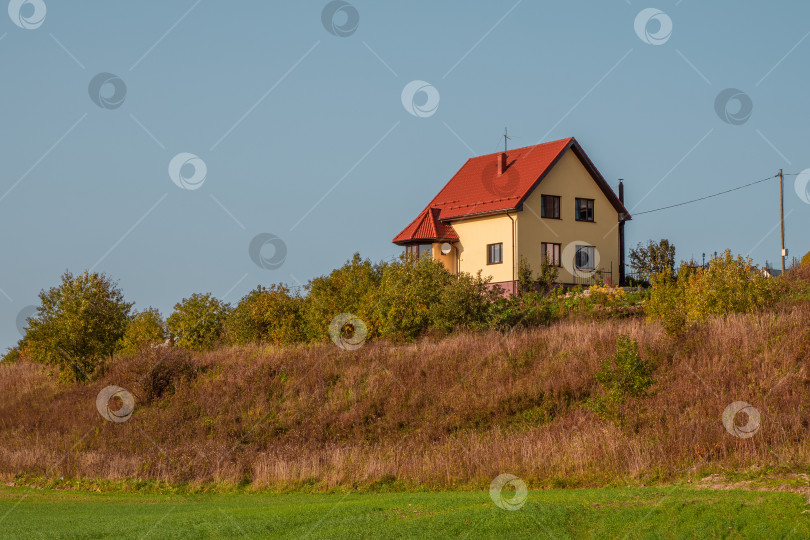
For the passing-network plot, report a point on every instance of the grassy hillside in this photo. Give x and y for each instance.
(435, 414)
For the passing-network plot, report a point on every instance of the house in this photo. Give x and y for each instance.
(546, 202)
(769, 271)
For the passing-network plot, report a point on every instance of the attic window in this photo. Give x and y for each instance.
(550, 206)
(583, 209)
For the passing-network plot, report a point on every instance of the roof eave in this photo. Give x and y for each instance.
(423, 241)
(600, 180)
(480, 214)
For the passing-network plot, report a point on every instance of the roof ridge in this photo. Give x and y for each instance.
(566, 140)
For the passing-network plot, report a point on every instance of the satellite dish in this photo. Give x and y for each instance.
(446, 248)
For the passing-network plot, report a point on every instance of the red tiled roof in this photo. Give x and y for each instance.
(426, 226)
(478, 189)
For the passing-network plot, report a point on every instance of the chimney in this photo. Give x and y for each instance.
(621, 190)
(501, 163)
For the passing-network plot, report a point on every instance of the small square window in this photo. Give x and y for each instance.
(495, 253)
(583, 209)
(550, 206)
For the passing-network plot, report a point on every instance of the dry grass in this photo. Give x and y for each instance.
(436, 414)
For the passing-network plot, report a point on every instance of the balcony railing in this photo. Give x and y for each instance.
(595, 277)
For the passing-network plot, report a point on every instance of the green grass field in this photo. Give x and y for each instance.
(666, 512)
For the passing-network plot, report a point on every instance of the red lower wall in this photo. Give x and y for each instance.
(507, 286)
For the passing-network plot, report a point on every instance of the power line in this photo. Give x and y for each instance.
(707, 196)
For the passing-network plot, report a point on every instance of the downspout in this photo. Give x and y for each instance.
(513, 251)
(621, 235)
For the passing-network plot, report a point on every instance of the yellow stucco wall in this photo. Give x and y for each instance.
(449, 261)
(569, 179)
(474, 236)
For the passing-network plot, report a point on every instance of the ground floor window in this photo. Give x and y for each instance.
(550, 253)
(586, 257)
(418, 250)
(495, 253)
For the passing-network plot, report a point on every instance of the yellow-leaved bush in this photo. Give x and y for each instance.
(605, 295)
(726, 285)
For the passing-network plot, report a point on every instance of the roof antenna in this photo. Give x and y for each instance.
(505, 138)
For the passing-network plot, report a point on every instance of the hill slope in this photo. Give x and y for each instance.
(438, 414)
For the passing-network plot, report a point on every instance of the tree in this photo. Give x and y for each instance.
(405, 302)
(420, 295)
(146, 327)
(266, 315)
(348, 289)
(653, 258)
(198, 322)
(78, 325)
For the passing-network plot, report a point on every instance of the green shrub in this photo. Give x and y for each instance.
(527, 282)
(529, 309)
(406, 302)
(635, 282)
(726, 285)
(11, 355)
(667, 302)
(548, 276)
(797, 280)
(266, 315)
(144, 328)
(624, 379)
(465, 302)
(400, 299)
(198, 322)
(348, 289)
(78, 325)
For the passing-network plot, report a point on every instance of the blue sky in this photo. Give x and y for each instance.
(304, 135)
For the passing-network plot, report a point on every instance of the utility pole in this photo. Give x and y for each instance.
(782, 216)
